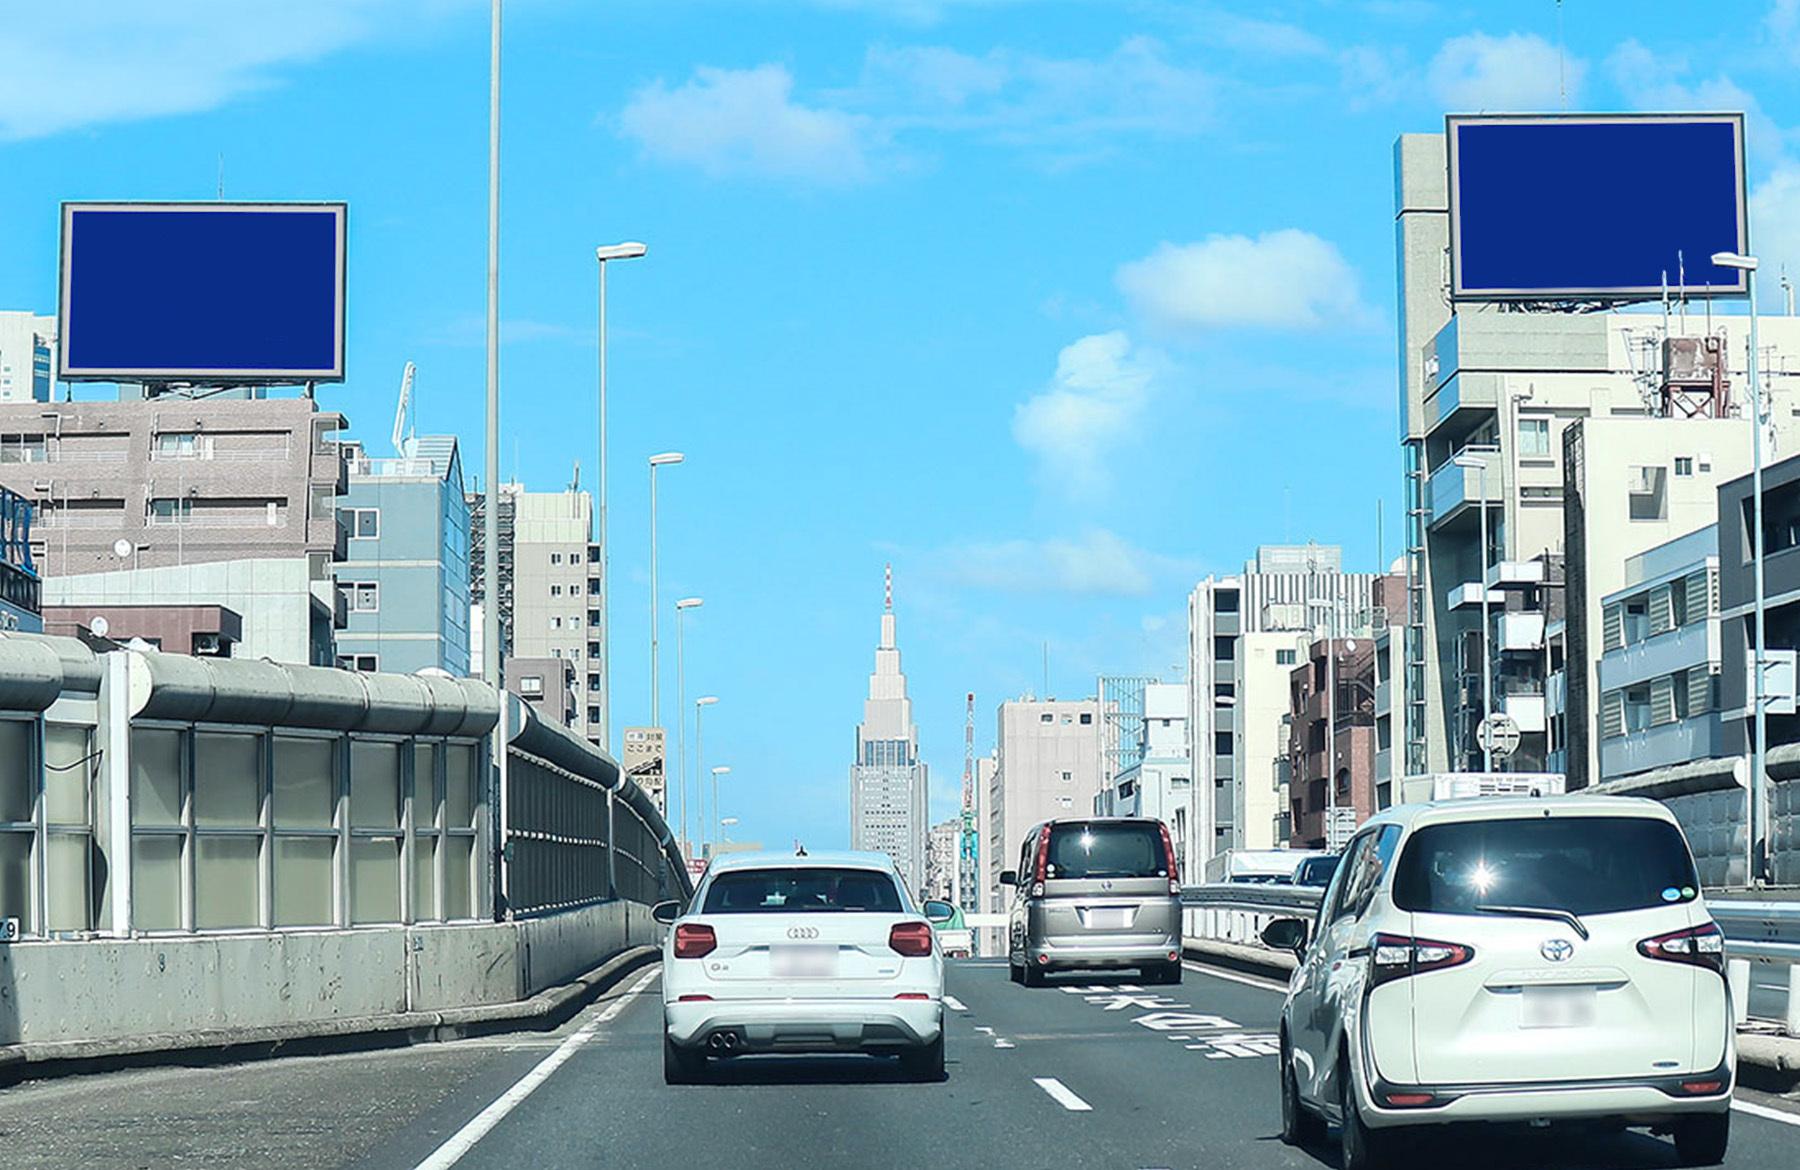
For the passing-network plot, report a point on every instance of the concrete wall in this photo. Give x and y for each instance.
(162, 992)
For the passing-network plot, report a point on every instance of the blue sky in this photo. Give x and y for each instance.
(1056, 306)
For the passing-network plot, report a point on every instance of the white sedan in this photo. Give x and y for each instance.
(783, 953)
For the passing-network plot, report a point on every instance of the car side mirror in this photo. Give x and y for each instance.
(1286, 934)
(666, 912)
(1009, 877)
(937, 912)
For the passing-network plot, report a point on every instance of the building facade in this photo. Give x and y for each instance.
(889, 784)
(27, 350)
(942, 852)
(21, 592)
(1285, 589)
(1047, 765)
(177, 502)
(1158, 783)
(405, 578)
(1331, 743)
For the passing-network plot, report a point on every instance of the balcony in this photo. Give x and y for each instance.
(1670, 652)
(1453, 493)
(1526, 710)
(1521, 631)
(1504, 574)
(1469, 594)
(1655, 747)
(1464, 397)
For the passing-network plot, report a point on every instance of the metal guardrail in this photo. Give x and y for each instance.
(1255, 897)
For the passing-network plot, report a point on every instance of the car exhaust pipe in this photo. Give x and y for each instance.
(731, 1041)
(717, 1041)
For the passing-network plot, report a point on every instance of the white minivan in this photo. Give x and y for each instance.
(1525, 960)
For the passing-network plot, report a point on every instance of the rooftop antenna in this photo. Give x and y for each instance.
(1787, 290)
(221, 176)
(1681, 278)
(887, 601)
(1562, 86)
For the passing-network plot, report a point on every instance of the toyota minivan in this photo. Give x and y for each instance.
(1512, 960)
(1095, 893)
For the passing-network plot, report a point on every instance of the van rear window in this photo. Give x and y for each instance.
(1584, 865)
(1101, 850)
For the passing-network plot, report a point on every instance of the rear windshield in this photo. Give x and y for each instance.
(1127, 850)
(1316, 871)
(796, 890)
(1584, 865)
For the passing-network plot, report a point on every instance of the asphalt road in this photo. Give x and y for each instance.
(1082, 1073)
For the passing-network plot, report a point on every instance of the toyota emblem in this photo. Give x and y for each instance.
(803, 932)
(1557, 950)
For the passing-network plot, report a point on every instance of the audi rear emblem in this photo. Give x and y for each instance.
(1557, 950)
(803, 932)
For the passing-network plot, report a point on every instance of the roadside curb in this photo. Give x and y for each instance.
(1765, 1061)
(544, 1011)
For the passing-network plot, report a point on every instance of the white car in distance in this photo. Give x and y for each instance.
(818, 953)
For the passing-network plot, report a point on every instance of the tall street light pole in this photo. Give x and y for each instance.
(1759, 774)
(630, 250)
(682, 607)
(722, 770)
(665, 459)
(490, 547)
(1467, 461)
(700, 705)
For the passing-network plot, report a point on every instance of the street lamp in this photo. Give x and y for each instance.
(682, 607)
(721, 770)
(725, 823)
(1759, 778)
(1465, 460)
(1330, 717)
(663, 460)
(630, 250)
(490, 545)
(700, 705)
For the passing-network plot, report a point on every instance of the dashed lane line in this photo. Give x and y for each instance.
(954, 1004)
(464, 1139)
(1062, 1095)
(1763, 1111)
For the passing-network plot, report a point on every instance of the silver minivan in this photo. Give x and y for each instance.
(1095, 893)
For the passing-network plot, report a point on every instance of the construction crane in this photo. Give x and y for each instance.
(404, 441)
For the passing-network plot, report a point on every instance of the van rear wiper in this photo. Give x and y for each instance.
(1574, 923)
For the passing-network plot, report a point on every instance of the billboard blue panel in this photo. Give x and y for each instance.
(1583, 206)
(212, 293)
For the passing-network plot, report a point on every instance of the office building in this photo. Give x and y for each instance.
(1047, 765)
(942, 852)
(549, 588)
(1488, 400)
(888, 782)
(27, 350)
(160, 514)
(1236, 739)
(1158, 780)
(405, 578)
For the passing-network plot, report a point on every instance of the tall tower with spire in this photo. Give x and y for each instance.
(888, 783)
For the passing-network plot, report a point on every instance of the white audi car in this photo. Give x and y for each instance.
(783, 953)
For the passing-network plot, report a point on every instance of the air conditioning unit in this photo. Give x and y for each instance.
(207, 644)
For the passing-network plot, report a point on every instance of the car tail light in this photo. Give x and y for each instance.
(1701, 1088)
(1041, 871)
(912, 995)
(1397, 956)
(1169, 859)
(1409, 1100)
(694, 940)
(912, 939)
(1701, 946)
(693, 999)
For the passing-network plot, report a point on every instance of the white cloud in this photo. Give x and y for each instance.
(1775, 227)
(83, 63)
(1097, 562)
(1516, 72)
(1093, 404)
(1265, 37)
(1655, 81)
(746, 121)
(1025, 98)
(1288, 279)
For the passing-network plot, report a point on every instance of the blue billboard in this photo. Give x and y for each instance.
(207, 293)
(1595, 207)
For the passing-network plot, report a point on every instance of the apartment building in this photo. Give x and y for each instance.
(1331, 743)
(1047, 765)
(27, 352)
(156, 505)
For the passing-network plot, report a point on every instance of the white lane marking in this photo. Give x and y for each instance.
(464, 1139)
(1002, 1042)
(1060, 1093)
(1763, 1111)
(1247, 980)
(954, 1004)
(984, 1030)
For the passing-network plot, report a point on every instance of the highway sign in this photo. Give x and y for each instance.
(1499, 734)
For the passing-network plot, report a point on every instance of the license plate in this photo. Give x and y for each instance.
(1109, 918)
(803, 962)
(1557, 1007)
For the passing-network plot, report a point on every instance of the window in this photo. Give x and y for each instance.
(21, 449)
(1221, 743)
(1046, 717)
(1068, 719)
(1086, 718)
(556, 558)
(1684, 466)
(1534, 437)
(182, 447)
(1647, 493)
(532, 686)
(556, 590)
(168, 510)
(365, 523)
(1100, 850)
(1224, 649)
(1069, 801)
(1637, 708)
(789, 891)
(556, 624)
(1225, 601)
(1637, 620)
(1286, 657)
(361, 596)
(361, 663)
(1067, 776)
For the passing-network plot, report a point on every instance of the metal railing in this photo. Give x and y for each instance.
(1762, 938)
